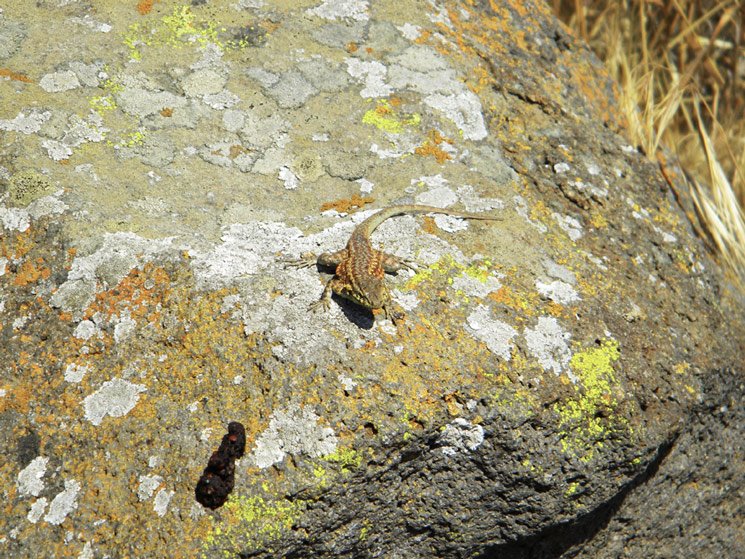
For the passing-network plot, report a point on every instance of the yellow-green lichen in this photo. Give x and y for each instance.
(587, 419)
(319, 472)
(133, 40)
(443, 266)
(348, 459)
(385, 118)
(171, 30)
(180, 22)
(252, 522)
(365, 530)
(102, 103)
(130, 140)
(479, 271)
(447, 266)
(105, 103)
(572, 489)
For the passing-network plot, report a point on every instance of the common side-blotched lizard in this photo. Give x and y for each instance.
(360, 268)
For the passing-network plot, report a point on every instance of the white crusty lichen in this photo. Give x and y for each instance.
(548, 343)
(373, 74)
(557, 291)
(115, 398)
(64, 503)
(342, 9)
(29, 480)
(294, 430)
(496, 334)
(147, 486)
(460, 435)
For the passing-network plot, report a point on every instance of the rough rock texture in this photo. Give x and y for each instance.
(566, 382)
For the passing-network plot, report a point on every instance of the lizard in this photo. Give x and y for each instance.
(360, 268)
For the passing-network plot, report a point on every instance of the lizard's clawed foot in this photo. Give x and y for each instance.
(393, 264)
(392, 315)
(322, 303)
(306, 260)
(410, 265)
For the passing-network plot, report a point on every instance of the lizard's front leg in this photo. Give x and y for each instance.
(306, 260)
(324, 302)
(332, 259)
(325, 259)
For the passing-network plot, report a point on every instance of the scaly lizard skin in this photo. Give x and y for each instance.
(360, 268)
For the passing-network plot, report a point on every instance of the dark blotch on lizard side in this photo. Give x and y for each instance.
(218, 478)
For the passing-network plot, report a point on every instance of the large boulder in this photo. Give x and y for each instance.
(554, 375)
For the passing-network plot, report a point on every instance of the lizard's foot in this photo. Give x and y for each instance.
(322, 303)
(393, 264)
(410, 265)
(306, 260)
(393, 316)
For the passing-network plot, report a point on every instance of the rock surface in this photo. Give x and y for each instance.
(566, 382)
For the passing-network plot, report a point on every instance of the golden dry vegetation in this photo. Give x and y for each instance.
(681, 68)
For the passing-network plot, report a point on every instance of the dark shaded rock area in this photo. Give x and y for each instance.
(689, 501)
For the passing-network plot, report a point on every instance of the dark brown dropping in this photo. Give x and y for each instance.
(218, 478)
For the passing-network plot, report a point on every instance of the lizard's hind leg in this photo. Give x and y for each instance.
(392, 263)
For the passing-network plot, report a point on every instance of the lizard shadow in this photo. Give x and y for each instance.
(359, 316)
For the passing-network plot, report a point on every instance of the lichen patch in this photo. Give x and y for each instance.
(115, 398)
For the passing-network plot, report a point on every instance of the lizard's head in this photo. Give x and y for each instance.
(374, 296)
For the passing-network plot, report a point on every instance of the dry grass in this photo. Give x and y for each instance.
(681, 67)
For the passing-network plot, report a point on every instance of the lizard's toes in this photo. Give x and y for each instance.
(392, 315)
(410, 265)
(321, 304)
(306, 260)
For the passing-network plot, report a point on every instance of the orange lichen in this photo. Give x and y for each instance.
(166, 112)
(586, 77)
(526, 303)
(144, 7)
(15, 76)
(17, 246)
(18, 397)
(344, 205)
(383, 109)
(432, 147)
(428, 366)
(31, 272)
(132, 294)
(555, 309)
(423, 36)
(429, 225)
(352, 47)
